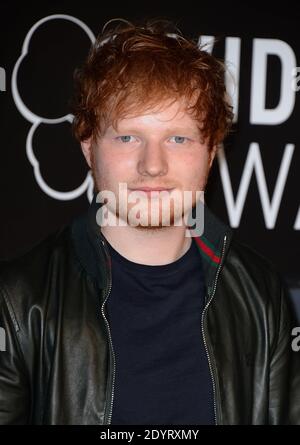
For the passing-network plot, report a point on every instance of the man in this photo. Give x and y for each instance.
(131, 315)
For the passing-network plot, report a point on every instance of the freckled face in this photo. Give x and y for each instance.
(162, 149)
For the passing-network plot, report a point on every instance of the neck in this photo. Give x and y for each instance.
(147, 246)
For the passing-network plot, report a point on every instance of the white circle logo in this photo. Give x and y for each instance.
(88, 184)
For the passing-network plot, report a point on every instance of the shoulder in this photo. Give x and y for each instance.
(256, 281)
(257, 291)
(23, 280)
(246, 259)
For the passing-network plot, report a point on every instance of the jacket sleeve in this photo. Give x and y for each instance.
(14, 386)
(284, 405)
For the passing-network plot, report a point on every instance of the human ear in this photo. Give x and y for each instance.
(86, 147)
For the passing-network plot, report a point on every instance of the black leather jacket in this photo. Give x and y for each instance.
(59, 364)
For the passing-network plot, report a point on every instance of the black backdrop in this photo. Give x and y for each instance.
(254, 186)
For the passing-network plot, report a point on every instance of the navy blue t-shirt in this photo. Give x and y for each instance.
(162, 372)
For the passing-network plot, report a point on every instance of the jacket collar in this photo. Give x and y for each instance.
(90, 244)
(213, 245)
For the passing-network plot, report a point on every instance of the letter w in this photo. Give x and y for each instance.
(270, 207)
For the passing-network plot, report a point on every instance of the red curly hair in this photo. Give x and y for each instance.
(131, 68)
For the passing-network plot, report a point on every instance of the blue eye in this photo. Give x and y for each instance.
(125, 138)
(179, 139)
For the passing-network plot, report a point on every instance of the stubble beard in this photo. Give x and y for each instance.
(164, 222)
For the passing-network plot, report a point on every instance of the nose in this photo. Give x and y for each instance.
(152, 161)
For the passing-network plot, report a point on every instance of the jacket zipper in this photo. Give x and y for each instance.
(110, 343)
(203, 334)
(203, 330)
